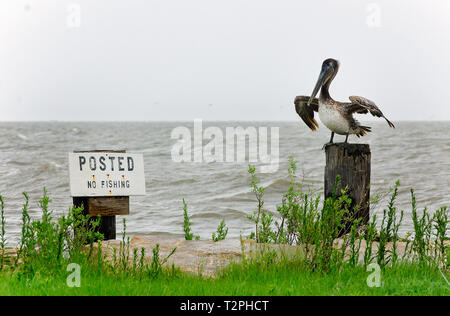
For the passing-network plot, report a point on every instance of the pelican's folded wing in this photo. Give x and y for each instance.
(306, 112)
(362, 105)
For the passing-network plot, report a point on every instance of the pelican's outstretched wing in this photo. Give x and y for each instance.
(306, 112)
(362, 105)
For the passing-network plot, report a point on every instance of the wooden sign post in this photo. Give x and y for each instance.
(352, 163)
(102, 181)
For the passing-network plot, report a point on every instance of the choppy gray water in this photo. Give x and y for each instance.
(34, 155)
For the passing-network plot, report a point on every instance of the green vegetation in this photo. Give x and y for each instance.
(320, 232)
(222, 231)
(280, 279)
(48, 246)
(188, 235)
(220, 234)
(261, 217)
(326, 261)
(2, 233)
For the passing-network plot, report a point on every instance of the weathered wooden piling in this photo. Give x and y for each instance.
(351, 162)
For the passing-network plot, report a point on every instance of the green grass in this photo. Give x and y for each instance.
(272, 280)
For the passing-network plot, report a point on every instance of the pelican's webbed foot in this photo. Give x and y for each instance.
(326, 144)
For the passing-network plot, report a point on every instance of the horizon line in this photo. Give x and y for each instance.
(187, 120)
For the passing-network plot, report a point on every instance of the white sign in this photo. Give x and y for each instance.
(106, 174)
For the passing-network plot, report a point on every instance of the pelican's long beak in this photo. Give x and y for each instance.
(323, 77)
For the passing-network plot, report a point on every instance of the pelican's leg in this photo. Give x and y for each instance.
(346, 138)
(331, 141)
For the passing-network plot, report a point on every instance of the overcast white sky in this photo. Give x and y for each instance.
(218, 59)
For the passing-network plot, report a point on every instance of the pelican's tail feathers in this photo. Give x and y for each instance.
(363, 130)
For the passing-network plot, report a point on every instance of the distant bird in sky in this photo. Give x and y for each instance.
(337, 116)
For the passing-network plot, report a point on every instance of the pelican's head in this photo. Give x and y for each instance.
(329, 69)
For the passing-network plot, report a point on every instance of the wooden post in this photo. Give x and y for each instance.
(352, 163)
(107, 207)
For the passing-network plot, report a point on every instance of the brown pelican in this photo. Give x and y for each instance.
(337, 116)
